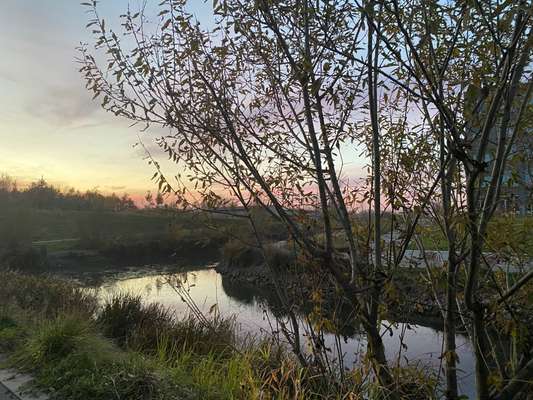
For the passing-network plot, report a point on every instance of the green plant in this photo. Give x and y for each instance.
(127, 320)
(149, 327)
(9, 333)
(55, 339)
(240, 255)
(44, 295)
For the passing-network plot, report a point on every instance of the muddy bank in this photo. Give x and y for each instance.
(407, 297)
(112, 258)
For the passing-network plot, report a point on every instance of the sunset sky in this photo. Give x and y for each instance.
(48, 124)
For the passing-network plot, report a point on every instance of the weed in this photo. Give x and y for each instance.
(44, 295)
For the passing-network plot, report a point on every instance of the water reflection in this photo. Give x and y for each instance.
(255, 314)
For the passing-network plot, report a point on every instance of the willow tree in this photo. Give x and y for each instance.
(468, 67)
(259, 109)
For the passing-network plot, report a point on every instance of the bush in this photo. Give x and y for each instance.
(237, 254)
(149, 327)
(131, 323)
(44, 295)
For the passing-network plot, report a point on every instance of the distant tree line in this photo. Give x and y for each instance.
(42, 195)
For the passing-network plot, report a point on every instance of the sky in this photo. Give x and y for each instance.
(49, 126)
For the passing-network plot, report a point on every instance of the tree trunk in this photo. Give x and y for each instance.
(376, 351)
(449, 330)
(482, 371)
(476, 308)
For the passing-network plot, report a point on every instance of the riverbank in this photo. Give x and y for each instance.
(302, 285)
(36, 240)
(114, 257)
(78, 349)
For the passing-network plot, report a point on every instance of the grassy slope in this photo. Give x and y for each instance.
(78, 350)
(508, 234)
(130, 350)
(61, 224)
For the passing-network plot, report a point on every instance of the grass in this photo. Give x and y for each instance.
(507, 234)
(72, 360)
(37, 240)
(149, 327)
(44, 296)
(125, 349)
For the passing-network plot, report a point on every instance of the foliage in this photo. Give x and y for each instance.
(169, 358)
(261, 108)
(145, 327)
(510, 235)
(42, 195)
(45, 296)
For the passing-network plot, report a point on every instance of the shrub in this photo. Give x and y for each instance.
(147, 327)
(44, 295)
(237, 254)
(131, 323)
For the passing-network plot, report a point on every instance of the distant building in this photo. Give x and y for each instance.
(517, 183)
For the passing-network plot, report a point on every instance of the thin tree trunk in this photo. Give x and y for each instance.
(376, 348)
(308, 109)
(376, 161)
(450, 329)
(480, 351)
(475, 307)
(451, 286)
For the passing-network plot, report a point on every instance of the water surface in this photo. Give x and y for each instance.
(422, 345)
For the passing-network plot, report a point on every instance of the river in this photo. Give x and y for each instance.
(421, 345)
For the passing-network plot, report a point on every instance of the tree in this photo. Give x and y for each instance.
(263, 107)
(259, 110)
(466, 64)
(149, 198)
(159, 200)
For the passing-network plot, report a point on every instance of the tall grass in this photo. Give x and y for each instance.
(146, 327)
(71, 359)
(125, 349)
(44, 295)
